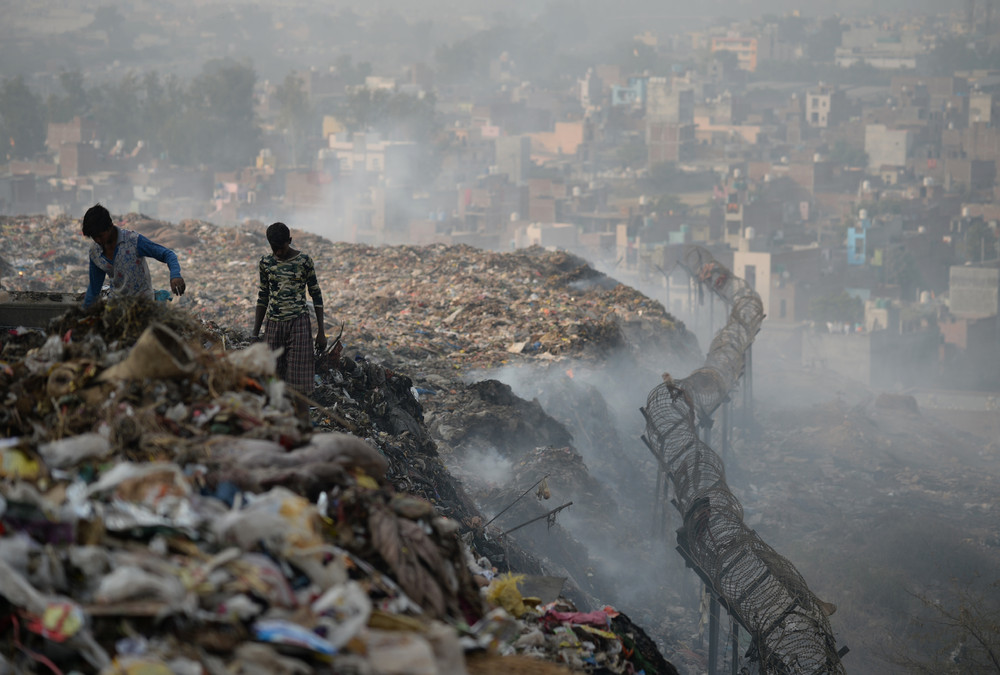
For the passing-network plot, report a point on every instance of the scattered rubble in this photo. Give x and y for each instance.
(185, 519)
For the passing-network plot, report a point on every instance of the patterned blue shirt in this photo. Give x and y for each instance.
(128, 269)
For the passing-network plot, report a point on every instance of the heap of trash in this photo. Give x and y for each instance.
(164, 510)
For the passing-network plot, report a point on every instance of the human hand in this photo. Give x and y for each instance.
(177, 286)
(320, 342)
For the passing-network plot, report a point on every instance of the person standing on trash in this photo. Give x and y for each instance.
(285, 275)
(121, 254)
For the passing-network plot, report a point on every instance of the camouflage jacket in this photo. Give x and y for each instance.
(283, 284)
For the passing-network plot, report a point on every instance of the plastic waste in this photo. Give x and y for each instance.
(70, 451)
(254, 658)
(159, 353)
(288, 634)
(343, 610)
(19, 464)
(257, 359)
(503, 592)
(132, 583)
(400, 653)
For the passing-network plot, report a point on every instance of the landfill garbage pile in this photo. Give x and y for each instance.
(429, 310)
(418, 320)
(163, 510)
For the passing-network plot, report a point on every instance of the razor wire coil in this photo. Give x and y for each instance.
(760, 588)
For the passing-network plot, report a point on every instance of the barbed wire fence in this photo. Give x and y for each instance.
(759, 589)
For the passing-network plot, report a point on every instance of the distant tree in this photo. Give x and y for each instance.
(665, 204)
(165, 117)
(73, 102)
(980, 242)
(393, 114)
(22, 120)
(632, 154)
(662, 177)
(117, 109)
(900, 269)
(729, 60)
(461, 62)
(636, 57)
(295, 113)
(953, 53)
(353, 75)
(837, 307)
(843, 152)
(222, 101)
(822, 44)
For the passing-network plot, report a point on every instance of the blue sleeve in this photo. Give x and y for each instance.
(149, 249)
(97, 276)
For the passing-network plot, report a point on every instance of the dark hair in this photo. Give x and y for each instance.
(96, 220)
(278, 234)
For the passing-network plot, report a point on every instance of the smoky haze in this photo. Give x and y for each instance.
(874, 474)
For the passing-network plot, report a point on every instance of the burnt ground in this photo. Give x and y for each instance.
(876, 501)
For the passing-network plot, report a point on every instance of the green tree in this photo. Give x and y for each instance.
(74, 101)
(980, 242)
(222, 112)
(822, 43)
(843, 152)
(837, 307)
(353, 75)
(118, 111)
(22, 120)
(295, 113)
(635, 57)
(395, 115)
(900, 269)
(665, 204)
(632, 154)
(729, 60)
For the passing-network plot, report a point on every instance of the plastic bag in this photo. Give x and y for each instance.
(70, 451)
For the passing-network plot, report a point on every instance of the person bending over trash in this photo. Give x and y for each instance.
(284, 277)
(122, 254)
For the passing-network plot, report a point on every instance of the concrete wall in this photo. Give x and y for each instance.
(848, 355)
(887, 147)
(974, 291)
(881, 359)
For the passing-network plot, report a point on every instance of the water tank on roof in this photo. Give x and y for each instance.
(748, 233)
(514, 217)
(817, 157)
(966, 212)
(922, 229)
(576, 190)
(866, 185)
(928, 181)
(768, 178)
(925, 297)
(863, 214)
(642, 200)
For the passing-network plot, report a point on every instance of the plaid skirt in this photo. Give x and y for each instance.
(297, 363)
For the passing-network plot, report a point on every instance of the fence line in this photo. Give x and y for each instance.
(759, 588)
